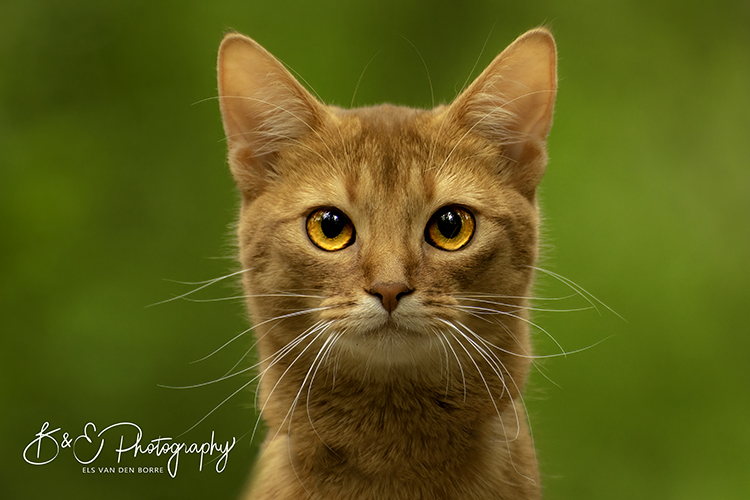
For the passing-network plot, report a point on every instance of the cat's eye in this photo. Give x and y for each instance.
(330, 229)
(450, 228)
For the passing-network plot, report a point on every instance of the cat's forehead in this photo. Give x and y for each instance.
(398, 151)
(386, 153)
(369, 159)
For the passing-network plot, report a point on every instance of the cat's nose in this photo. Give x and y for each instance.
(390, 294)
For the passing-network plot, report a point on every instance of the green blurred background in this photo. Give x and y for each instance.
(113, 182)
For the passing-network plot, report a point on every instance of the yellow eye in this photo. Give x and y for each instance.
(330, 229)
(450, 228)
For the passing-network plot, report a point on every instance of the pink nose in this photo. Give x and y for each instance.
(390, 294)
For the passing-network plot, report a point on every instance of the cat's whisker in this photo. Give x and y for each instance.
(476, 62)
(217, 299)
(310, 371)
(224, 345)
(333, 339)
(211, 382)
(226, 376)
(291, 410)
(203, 284)
(474, 362)
(588, 296)
(525, 354)
(252, 347)
(205, 99)
(509, 332)
(447, 364)
(242, 388)
(289, 347)
(361, 75)
(286, 349)
(485, 311)
(320, 330)
(239, 297)
(497, 320)
(429, 79)
(534, 357)
(494, 362)
(294, 469)
(540, 370)
(521, 307)
(231, 373)
(458, 360)
(278, 355)
(516, 297)
(275, 318)
(574, 351)
(538, 327)
(497, 365)
(483, 317)
(489, 346)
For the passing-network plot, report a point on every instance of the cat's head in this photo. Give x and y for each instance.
(388, 230)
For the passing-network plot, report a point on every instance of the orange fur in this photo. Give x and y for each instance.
(416, 395)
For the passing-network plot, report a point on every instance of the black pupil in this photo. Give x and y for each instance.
(449, 224)
(332, 224)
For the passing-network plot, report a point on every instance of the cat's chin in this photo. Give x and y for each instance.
(392, 343)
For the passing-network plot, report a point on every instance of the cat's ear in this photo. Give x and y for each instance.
(511, 102)
(263, 108)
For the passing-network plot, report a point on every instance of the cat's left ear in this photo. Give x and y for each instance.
(511, 103)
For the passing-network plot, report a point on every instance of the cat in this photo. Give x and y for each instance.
(388, 258)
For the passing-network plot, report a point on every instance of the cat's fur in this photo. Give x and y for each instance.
(394, 369)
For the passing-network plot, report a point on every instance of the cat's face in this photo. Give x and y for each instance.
(368, 212)
(384, 231)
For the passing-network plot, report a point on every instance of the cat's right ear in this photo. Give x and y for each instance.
(263, 108)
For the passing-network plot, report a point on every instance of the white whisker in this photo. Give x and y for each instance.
(237, 297)
(521, 307)
(204, 284)
(489, 357)
(242, 388)
(589, 297)
(211, 382)
(359, 80)
(447, 364)
(319, 330)
(429, 79)
(276, 318)
(471, 358)
(458, 360)
(325, 351)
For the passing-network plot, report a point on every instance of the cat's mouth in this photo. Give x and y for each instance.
(367, 318)
(394, 335)
(363, 328)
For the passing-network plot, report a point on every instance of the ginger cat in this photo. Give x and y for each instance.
(387, 256)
